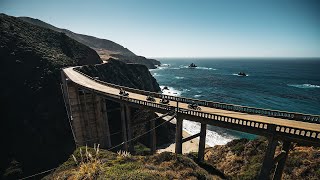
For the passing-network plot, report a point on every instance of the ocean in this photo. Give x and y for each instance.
(281, 84)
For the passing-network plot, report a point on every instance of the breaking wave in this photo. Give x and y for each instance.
(213, 138)
(304, 86)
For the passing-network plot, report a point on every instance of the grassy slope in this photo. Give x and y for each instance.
(108, 165)
(242, 159)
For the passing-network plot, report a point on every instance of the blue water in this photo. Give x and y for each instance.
(281, 84)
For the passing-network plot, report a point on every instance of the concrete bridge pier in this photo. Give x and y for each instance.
(179, 124)
(106, 121)
(268, 163)
(281, 159)
(202, 142)
(129, 128)
(88, 115)
(153, 139)
(124, 128)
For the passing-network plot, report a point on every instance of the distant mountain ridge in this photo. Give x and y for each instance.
(105, 48)
(90, 41)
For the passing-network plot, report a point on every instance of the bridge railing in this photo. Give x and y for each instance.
(267, 127)
(218, 105)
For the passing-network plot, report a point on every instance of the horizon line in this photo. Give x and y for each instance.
(233, 57)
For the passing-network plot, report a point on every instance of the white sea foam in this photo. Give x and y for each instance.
(162, 67)
(212, 138)
(178, 77)
(304, 86)
(156, 74)
(197, 95)
(171, 91)
(205, 68)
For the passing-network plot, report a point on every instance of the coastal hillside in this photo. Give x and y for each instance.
(120, 73)
(90, 41)
(105, 48)
(242, 159)
(103, 164)
(34, 121)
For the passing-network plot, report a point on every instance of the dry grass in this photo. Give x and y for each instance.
(122, 165)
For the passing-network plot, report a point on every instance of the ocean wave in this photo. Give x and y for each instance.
(197, 95)
(212, 138)
(205, 68)
(156, 74)
(304, 86)
(162, 67)
(178, 77)
(172, 91)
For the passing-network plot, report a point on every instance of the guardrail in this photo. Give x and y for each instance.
(217, 105)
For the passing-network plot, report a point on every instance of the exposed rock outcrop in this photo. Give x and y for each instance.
(130, 75)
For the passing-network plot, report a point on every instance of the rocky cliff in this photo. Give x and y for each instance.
(34, 125)
(33, 118)
(105, 48)
(130, 75)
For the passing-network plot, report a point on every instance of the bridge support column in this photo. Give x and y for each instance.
(153, 136)
(268, 159)
(71, 97)
(279, 169)
(129, 130)
(106, 121)
(202, 142)
(124, 129)
(179, 124)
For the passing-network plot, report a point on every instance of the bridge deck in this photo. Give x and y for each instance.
(91, 84)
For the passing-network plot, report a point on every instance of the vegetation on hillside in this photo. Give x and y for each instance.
(121, 165)
(105, 48)
(33, 119)
(242, 159)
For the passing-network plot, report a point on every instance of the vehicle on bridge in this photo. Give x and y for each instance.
(123, 92)
(151, 98)
(164, 101)
(194, 106)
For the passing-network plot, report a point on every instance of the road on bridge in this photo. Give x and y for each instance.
(91, 84)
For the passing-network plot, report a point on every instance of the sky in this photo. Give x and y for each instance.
(187, 28)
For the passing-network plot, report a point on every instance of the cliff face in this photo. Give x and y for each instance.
(33, 117)
(34, 124)
(130, 75)
(105, 48)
